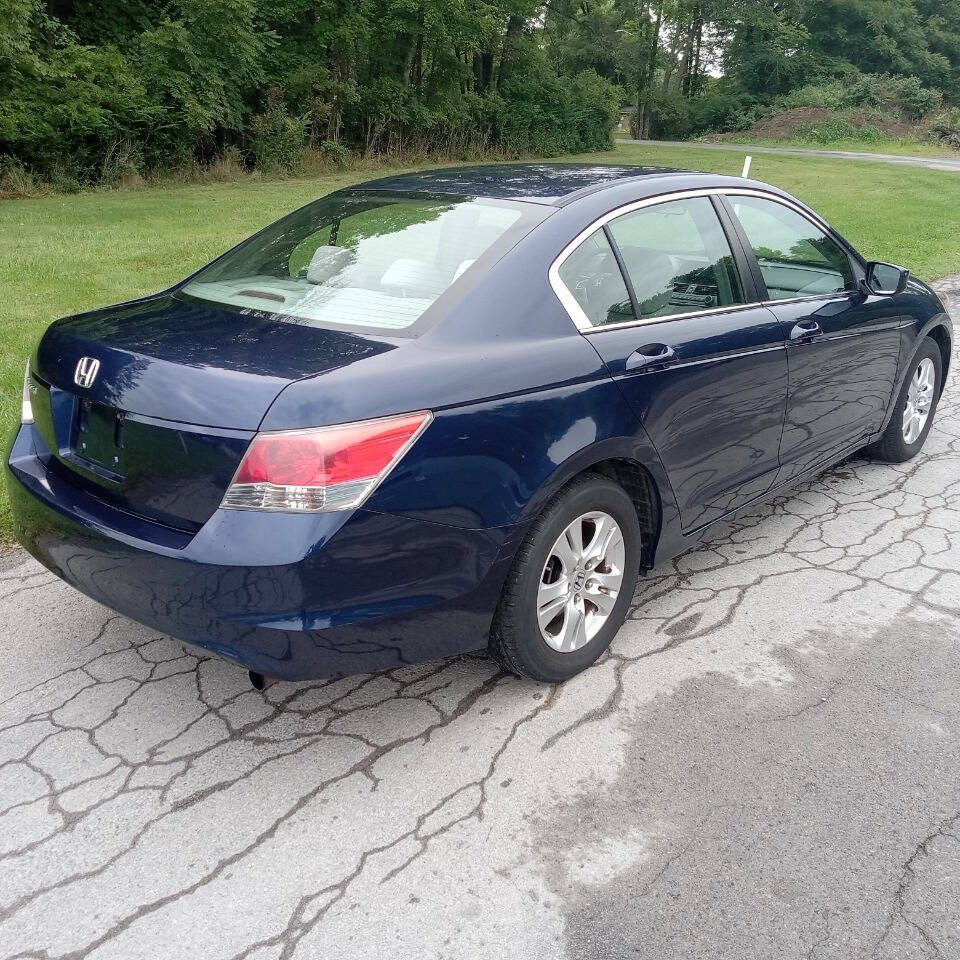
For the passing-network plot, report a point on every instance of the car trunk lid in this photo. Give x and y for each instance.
(150, 406)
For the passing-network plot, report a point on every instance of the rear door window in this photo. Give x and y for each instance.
(677, 257)
(592, 276)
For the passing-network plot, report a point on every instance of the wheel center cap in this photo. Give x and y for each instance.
(579, 579)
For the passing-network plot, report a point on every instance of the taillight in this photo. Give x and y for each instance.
(26, 407)
(327, 468)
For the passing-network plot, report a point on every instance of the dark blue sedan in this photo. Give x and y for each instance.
(461, 410)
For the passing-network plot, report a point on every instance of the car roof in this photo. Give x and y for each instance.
(548, 183)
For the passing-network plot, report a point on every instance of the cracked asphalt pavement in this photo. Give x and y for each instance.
(765, 765)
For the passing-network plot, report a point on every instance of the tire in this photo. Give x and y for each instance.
(517, 640)
(894, 446)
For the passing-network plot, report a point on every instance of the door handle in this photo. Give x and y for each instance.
(805, 329)
(650, 355)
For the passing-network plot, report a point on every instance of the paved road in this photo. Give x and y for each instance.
(767, 765)
(933, 163)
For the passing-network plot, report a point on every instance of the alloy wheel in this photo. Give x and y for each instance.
(580, 581)
(919, 400)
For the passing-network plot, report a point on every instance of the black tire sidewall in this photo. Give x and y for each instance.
(539, 659)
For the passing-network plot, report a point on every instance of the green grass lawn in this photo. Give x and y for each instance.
(61, 254)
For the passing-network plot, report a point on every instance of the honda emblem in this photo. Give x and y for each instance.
(86, 372)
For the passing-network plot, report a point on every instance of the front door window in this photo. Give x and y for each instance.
(796, 258)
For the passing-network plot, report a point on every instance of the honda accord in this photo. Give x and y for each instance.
(461, 410)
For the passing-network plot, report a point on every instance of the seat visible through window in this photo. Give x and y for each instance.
(677, 257)
(592, 275)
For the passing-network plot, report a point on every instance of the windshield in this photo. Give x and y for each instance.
(364, 261)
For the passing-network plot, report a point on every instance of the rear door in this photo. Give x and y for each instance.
(843, 348)
(658, 289)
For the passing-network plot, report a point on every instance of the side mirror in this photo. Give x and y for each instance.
(885, 279)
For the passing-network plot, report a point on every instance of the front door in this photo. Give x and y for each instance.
(662, 301)
(842, 348)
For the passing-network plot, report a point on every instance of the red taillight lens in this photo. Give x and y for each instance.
(330, 468)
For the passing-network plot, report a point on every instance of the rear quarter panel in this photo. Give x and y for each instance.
(499, 461)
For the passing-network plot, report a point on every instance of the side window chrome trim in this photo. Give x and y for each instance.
(650, 321)
(835, 295)
(580, 319)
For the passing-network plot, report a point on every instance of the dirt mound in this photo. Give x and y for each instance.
(788, 124)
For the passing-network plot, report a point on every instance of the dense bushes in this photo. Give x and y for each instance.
(723, 106)
(945, 127)
(898, 60)
(903, 95)
(105, 90)
(554, 114)
(837, 129)
(102, 91)
(860, 104)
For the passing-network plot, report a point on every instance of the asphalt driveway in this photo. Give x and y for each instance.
(767, 765)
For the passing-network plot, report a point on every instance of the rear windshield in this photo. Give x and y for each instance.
(364, 261)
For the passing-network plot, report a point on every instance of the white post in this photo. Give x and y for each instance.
(746, 166)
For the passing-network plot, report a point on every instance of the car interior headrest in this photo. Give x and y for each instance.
(413, 278)
(326, 262)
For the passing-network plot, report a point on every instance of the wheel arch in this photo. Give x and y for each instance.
(940, 332)
(941, 336)
(639, 485)
(644, 481)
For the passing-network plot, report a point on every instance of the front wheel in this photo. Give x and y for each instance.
(916, 405)
(568, 591)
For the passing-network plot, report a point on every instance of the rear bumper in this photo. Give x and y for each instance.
(290, 596)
